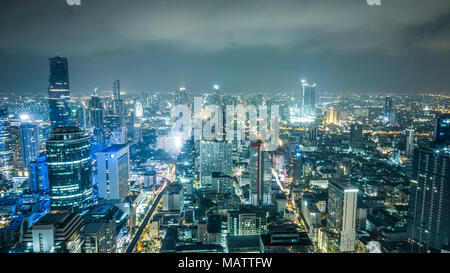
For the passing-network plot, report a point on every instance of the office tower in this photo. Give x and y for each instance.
(185, 164)
(117, 101)
(260, 166)
(248, 220)
(429, 208)
(409, 142)
(59, 92)
(341, 207)
(6, 153)
(295, 169)
(356, 140)
(69, 170)
(113, 165)
(138, 109)
(313, 137)
(333, 116)
(215, 157)
(111, 122)
(308, 99)
(442, 130)
(137, 133)
(39, 175)
(96, 111)
(388, 110)
(29, 139)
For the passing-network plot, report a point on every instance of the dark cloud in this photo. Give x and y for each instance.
(246, 44)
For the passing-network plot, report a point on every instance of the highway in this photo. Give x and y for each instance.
(144, 223)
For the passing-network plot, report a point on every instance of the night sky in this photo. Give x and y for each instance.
(245, 45)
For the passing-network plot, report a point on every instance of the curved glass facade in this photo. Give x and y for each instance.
(69, 170)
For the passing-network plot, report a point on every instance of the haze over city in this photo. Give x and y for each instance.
(246, 46)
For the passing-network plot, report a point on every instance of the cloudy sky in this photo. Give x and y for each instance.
(245, 45)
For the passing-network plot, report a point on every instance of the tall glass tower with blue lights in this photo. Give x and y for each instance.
(69, 170)
(59, 92)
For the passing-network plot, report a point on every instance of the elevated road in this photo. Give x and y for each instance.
(144, 223)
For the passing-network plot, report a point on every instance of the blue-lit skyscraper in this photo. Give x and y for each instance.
(6, 154)
(39, 175)
(308, 99)
(388, 110)
(442, 130)
(429, 205)
(59, 92)
(113, 166)
(29, 140)
(69, 169)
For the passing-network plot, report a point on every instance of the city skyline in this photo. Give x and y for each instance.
(269, 150)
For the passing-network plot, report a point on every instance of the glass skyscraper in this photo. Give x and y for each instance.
(29, 139)
(6, 155)
(39, 175)
(69, 169)
(59, 92)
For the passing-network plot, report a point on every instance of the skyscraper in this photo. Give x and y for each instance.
(409, 142)
(6, 155)
(69, 170)
(96, 111)
(29, 139)
(388, 110)
(260, 174)
(39, 175)
(429, 206)
(113, 166)
(308, 99)
(356, 141)
(341, 207)
(442, 130)
(59, 92)
(117, 101)
(215, 157)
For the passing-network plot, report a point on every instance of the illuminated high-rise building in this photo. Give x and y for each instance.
(113, 166)
(442, 130)
(333, 116)
(429, 206)
(59, 92)
(341, 207)
(69, 170)
(117, 101)
(308, 99)
(388, 114)
(215, 157)
(356, 140)
(29, 139)
(260, 174)
(38, 174)
(96, 111)
(6, 154)
(409, 142)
